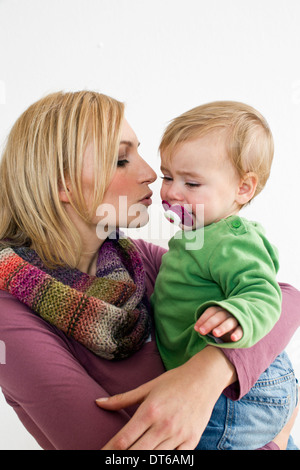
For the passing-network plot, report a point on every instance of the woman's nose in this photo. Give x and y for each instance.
(147, 174)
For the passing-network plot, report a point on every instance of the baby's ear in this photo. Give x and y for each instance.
(247, 188)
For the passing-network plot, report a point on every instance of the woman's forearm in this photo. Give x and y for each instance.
(217, 371)
(175, 407)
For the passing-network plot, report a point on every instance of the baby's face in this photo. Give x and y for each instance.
(200, 173)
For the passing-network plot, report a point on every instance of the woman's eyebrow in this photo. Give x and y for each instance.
(129, 143)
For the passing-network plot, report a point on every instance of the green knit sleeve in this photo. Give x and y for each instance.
(244, 264)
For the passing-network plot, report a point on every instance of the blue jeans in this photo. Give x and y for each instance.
(257, 418)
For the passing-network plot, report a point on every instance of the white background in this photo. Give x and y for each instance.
(163, 57)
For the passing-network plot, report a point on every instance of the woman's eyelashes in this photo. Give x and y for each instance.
(122, 161)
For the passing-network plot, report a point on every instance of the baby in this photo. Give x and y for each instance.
(219, 156)
(222, 289)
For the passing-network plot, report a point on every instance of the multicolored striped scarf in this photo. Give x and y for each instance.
(108, 313)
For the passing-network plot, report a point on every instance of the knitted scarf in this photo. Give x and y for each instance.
(107, 313)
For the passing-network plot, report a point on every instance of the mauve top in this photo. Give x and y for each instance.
(52, 381)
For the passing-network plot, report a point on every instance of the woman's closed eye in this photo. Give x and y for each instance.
(122, 161)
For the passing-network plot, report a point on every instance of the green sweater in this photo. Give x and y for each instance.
(235, 268)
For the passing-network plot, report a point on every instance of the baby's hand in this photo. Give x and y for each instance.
(220, 323)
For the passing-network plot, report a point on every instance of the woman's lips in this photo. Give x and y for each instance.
(146, 200)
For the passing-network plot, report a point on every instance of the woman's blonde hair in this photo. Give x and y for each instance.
(45, 146)
(250, 145)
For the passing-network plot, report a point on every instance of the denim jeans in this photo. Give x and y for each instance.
(257, 418)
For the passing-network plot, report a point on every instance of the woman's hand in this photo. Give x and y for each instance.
(175, 407)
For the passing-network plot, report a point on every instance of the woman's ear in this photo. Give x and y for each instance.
(64, 194)
(247, 188)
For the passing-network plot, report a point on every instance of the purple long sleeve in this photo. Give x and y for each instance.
(52, 381)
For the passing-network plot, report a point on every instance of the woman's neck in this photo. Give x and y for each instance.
(88, 263)
(91, 243)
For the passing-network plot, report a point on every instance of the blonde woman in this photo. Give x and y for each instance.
(74, 311)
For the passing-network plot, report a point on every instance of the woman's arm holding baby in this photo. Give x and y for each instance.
(174, 420)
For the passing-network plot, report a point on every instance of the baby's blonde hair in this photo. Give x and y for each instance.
(45, 146)
(250, 145)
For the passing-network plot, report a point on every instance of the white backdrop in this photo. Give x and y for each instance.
(163, 57)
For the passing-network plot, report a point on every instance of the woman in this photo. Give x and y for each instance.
(68, 160)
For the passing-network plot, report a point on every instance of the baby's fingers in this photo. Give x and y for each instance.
(226, 326)
(212, 318)
(237, 334)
